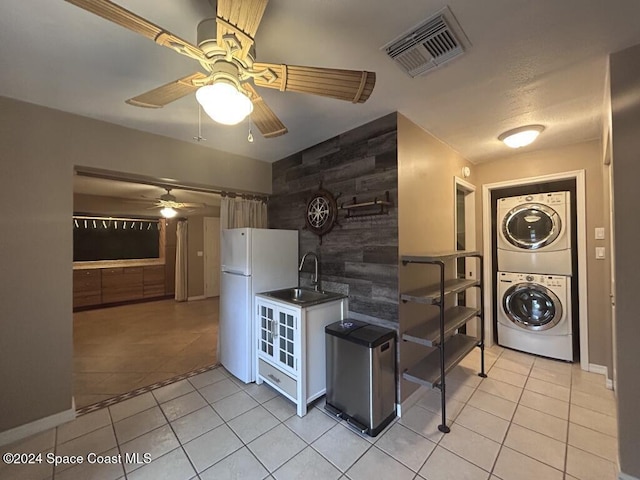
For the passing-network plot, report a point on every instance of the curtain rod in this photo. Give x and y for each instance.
(163, 183)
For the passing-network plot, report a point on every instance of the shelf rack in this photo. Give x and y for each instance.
(376, 202)
(439, 332)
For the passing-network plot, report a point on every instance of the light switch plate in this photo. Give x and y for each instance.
(599, 233)
(199, 253)
(599, 253)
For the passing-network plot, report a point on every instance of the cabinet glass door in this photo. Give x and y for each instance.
(267, 325)
(286, 334)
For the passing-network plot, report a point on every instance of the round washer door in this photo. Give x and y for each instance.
(531, 226)
(532, 306)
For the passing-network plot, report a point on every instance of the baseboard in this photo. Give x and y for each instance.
(41, 425)
(602, 370)
(624, 476)
(410, 400)
(197, 297)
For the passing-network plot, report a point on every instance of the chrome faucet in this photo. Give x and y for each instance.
(315, 282)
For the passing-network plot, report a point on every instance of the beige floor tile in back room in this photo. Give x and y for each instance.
(132, 406)
(82, 425)
(171, 466)
(34, 444)
(234, 405)
(541, 422)
(593, 402)
(196, 423)
(493, 405)
(97, 441)
(432, 401)
(250, 425)
(219, 390)
(377, 464)
(586, 466)
(543, 448)
(406, 446)
(423, 422)
(444, 465)
(558, 378)
(173, 390)
(471, 446)
(308, 464)
(483, 423)
(548, 389)
(280, 407)
(554, 365)
(213, 446)
(208, 378)
(36, 471)
(181, 406)
(139, 424)
(341, 446)
(512, 465)
(544, 404)
(312, 425)
(507, 376)
(594, 420)
(240, 465)
(520, 357)
(155, 443)
(512, 366)
(276, 447)
(93, 471)
(593, 442)
(500, 389)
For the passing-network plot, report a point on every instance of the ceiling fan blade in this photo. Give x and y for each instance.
(350, 85)
(159, 97)
(263, 117)
(123, 17)
(240, 17)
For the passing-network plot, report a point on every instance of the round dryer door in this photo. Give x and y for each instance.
(532, 306)
(531, 226)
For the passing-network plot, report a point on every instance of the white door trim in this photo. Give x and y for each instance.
(471, 264)
(579, 176)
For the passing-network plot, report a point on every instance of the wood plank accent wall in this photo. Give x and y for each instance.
(360, 257)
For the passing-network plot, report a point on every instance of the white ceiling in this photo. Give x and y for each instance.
(531, 61)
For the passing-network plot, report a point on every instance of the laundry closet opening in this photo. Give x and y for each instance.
(534, 268)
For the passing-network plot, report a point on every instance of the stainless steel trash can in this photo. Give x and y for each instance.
(361, 374)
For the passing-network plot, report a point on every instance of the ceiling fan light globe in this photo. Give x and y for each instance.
(224, 103)
(168, 212)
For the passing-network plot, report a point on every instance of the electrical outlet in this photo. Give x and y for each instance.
(599, 233)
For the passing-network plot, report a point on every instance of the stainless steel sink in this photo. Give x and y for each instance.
(303, 296)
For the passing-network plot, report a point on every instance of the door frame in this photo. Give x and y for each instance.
(471, 264)
(581, 231)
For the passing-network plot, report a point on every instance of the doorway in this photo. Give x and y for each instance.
(465, 239)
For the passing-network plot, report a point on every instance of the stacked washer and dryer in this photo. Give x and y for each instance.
(534, 274)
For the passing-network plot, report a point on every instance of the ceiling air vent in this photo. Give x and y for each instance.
(435, 41)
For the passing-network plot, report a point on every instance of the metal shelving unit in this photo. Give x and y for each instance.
(448, 347)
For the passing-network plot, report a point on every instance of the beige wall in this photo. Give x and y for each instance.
(101, 205)
(195, 268)
(426, 205)
(588, 157)
(38, 150)
(625, 103)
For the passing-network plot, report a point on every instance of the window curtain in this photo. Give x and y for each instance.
(236, 212)
(181, 261)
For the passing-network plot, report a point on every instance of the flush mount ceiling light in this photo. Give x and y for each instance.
(522, 136)
(168, 212)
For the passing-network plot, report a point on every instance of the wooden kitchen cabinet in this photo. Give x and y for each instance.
(153, 281)
(122, 284)
(87, 288)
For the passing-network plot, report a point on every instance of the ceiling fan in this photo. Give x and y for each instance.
(169, 205)
(226, 51)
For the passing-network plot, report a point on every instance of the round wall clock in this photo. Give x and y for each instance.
(321, 213)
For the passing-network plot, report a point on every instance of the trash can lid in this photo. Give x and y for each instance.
(372, 336)
(344, 328)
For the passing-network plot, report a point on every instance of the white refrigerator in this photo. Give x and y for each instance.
(253, 260)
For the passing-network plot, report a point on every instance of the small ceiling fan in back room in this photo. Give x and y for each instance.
(226, 52)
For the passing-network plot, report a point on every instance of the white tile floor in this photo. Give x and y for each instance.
(532, 418)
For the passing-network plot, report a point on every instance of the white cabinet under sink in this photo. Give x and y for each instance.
(291, 347)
